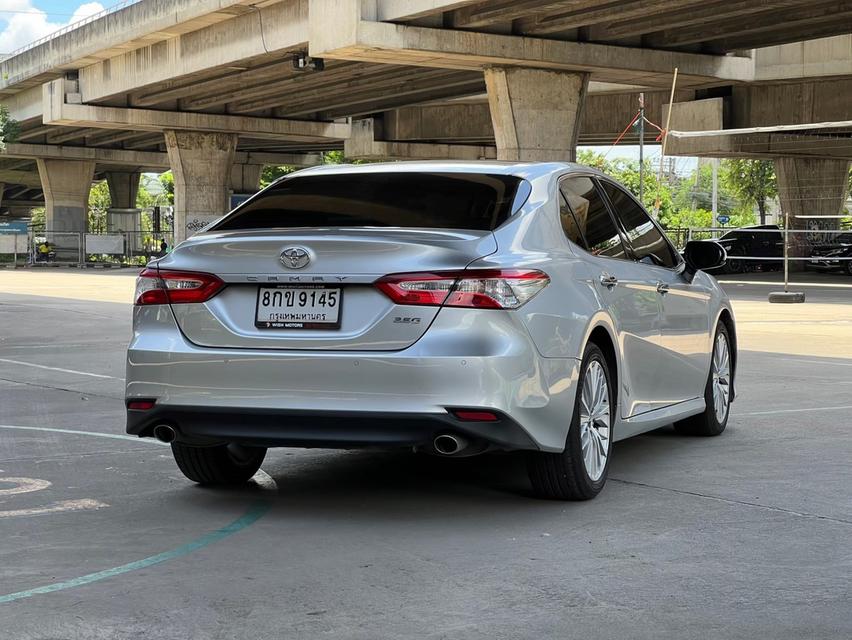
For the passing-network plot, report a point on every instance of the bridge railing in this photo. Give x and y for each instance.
(71, 27)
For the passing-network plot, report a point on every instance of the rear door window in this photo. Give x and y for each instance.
(475, 201)
(594, 225)
(647, 242)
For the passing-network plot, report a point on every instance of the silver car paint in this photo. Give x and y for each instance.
(523, 362)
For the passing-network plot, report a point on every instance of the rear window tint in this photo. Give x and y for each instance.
(431, 200)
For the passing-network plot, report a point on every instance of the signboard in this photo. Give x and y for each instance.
(111, 243)
(723, 219)
(13, 227)
(13, 242)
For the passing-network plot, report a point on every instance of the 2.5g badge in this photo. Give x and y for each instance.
(406, 320)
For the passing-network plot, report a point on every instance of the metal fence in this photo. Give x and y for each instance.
(41, 247)
(767, 248)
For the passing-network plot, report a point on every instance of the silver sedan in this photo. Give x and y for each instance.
(453, 308)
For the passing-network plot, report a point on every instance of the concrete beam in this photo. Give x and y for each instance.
(133, 26)
(28, 179)
(262, 34)
(825, 57)
(147, 159)
(59, 112)
(362, 145)
(398, 10)
(337, 31)
(26, 105)
(602, 119)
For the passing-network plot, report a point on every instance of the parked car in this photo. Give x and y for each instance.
(453, 308)
(836, 256)
(759, 241)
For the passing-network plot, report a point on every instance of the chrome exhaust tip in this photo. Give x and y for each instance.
(165, 433)
(448, 445)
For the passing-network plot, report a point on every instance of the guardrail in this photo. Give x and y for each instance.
(71, 27)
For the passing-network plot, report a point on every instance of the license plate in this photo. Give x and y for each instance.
(303, 307)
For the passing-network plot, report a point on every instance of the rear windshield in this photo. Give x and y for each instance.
(431, 200)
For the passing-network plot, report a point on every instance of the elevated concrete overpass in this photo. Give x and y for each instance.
(204, 86)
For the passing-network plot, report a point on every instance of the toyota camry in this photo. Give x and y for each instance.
(449, 308)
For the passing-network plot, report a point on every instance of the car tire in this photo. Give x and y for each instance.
(219, 465)
(848, 268)
(566, 475)
(712, 421)
(734, 265)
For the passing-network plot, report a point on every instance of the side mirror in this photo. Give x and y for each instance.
(701, 255)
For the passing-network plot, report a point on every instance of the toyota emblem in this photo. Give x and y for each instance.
(295, 257)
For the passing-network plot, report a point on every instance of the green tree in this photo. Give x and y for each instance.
(627, 173)
(752, 181)
(167, 180)
(9, 128)
(99, 204)
(271, 173)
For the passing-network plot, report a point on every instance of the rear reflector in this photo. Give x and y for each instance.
(140, 405)
(475, 416)
(475, 288)
(175, 287)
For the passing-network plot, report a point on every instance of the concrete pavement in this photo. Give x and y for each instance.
(738, 536)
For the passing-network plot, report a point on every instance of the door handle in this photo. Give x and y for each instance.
(662, 288)
(608, 280)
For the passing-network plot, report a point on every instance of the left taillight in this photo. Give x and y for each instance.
(474, 288)
(175, 287)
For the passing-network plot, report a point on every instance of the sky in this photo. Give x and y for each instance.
(23, 21)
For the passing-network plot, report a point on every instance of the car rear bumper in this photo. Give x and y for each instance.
(328, 429)
(345, 399)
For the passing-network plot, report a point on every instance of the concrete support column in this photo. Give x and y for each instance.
(66, 185)
(245, 178)
(201, 163)
(123, 214)
(812, 187)
(535, 112)
(123, 188)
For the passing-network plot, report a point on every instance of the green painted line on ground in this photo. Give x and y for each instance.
(247, 519)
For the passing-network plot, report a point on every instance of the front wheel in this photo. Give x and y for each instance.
(717, 392)
(220, 465)
(579, 472)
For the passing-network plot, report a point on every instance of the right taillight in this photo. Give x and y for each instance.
(476, 288)
(175, 287)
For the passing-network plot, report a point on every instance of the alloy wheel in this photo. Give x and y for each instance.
(721, 377)
(595, 420)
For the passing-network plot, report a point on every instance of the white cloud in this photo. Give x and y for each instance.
(31, 23)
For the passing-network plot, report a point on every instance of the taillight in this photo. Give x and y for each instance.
(479, 289)
(175, 287)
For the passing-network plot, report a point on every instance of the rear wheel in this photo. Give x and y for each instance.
(579, 472)
(848, 268)
(220, 465)
(733, 264)
(717, 392)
